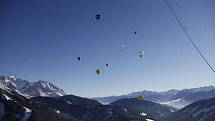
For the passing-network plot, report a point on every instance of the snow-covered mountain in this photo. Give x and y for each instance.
(28, 89)
(47, 102)
(175, 98)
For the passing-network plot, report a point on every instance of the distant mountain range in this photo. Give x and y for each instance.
(30, 89)
(175, 98)
(22, 100)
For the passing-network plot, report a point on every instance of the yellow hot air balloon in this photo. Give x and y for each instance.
(140, 98)
(141, 53)
(98, 71)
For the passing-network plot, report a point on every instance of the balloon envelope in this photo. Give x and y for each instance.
(124, 46)
(140, 98)
(79, 58)
(98, 71)
(98, 17)
(141, 53)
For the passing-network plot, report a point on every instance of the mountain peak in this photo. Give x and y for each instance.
(27, 88)
(43, 81)
(8, 78)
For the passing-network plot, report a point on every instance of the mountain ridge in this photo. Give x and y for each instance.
(30, 89)
(175, 98)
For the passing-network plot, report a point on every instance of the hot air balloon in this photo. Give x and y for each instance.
(140, 98)
(141, 53)
(135, 32)
(98, 17)
(79, 58)
(98, 71)
(107, 65)
(124, 46)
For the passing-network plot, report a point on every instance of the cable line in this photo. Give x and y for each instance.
(193, 43)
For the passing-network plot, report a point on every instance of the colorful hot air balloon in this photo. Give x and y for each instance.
(140, 98)
(98, 17)
(98, 71)
(141, 53)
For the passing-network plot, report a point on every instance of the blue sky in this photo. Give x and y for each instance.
(40, 40)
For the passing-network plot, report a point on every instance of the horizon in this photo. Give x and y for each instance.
(41, 40)
(203, 86)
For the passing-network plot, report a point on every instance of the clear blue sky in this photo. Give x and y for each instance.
(41, 39)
